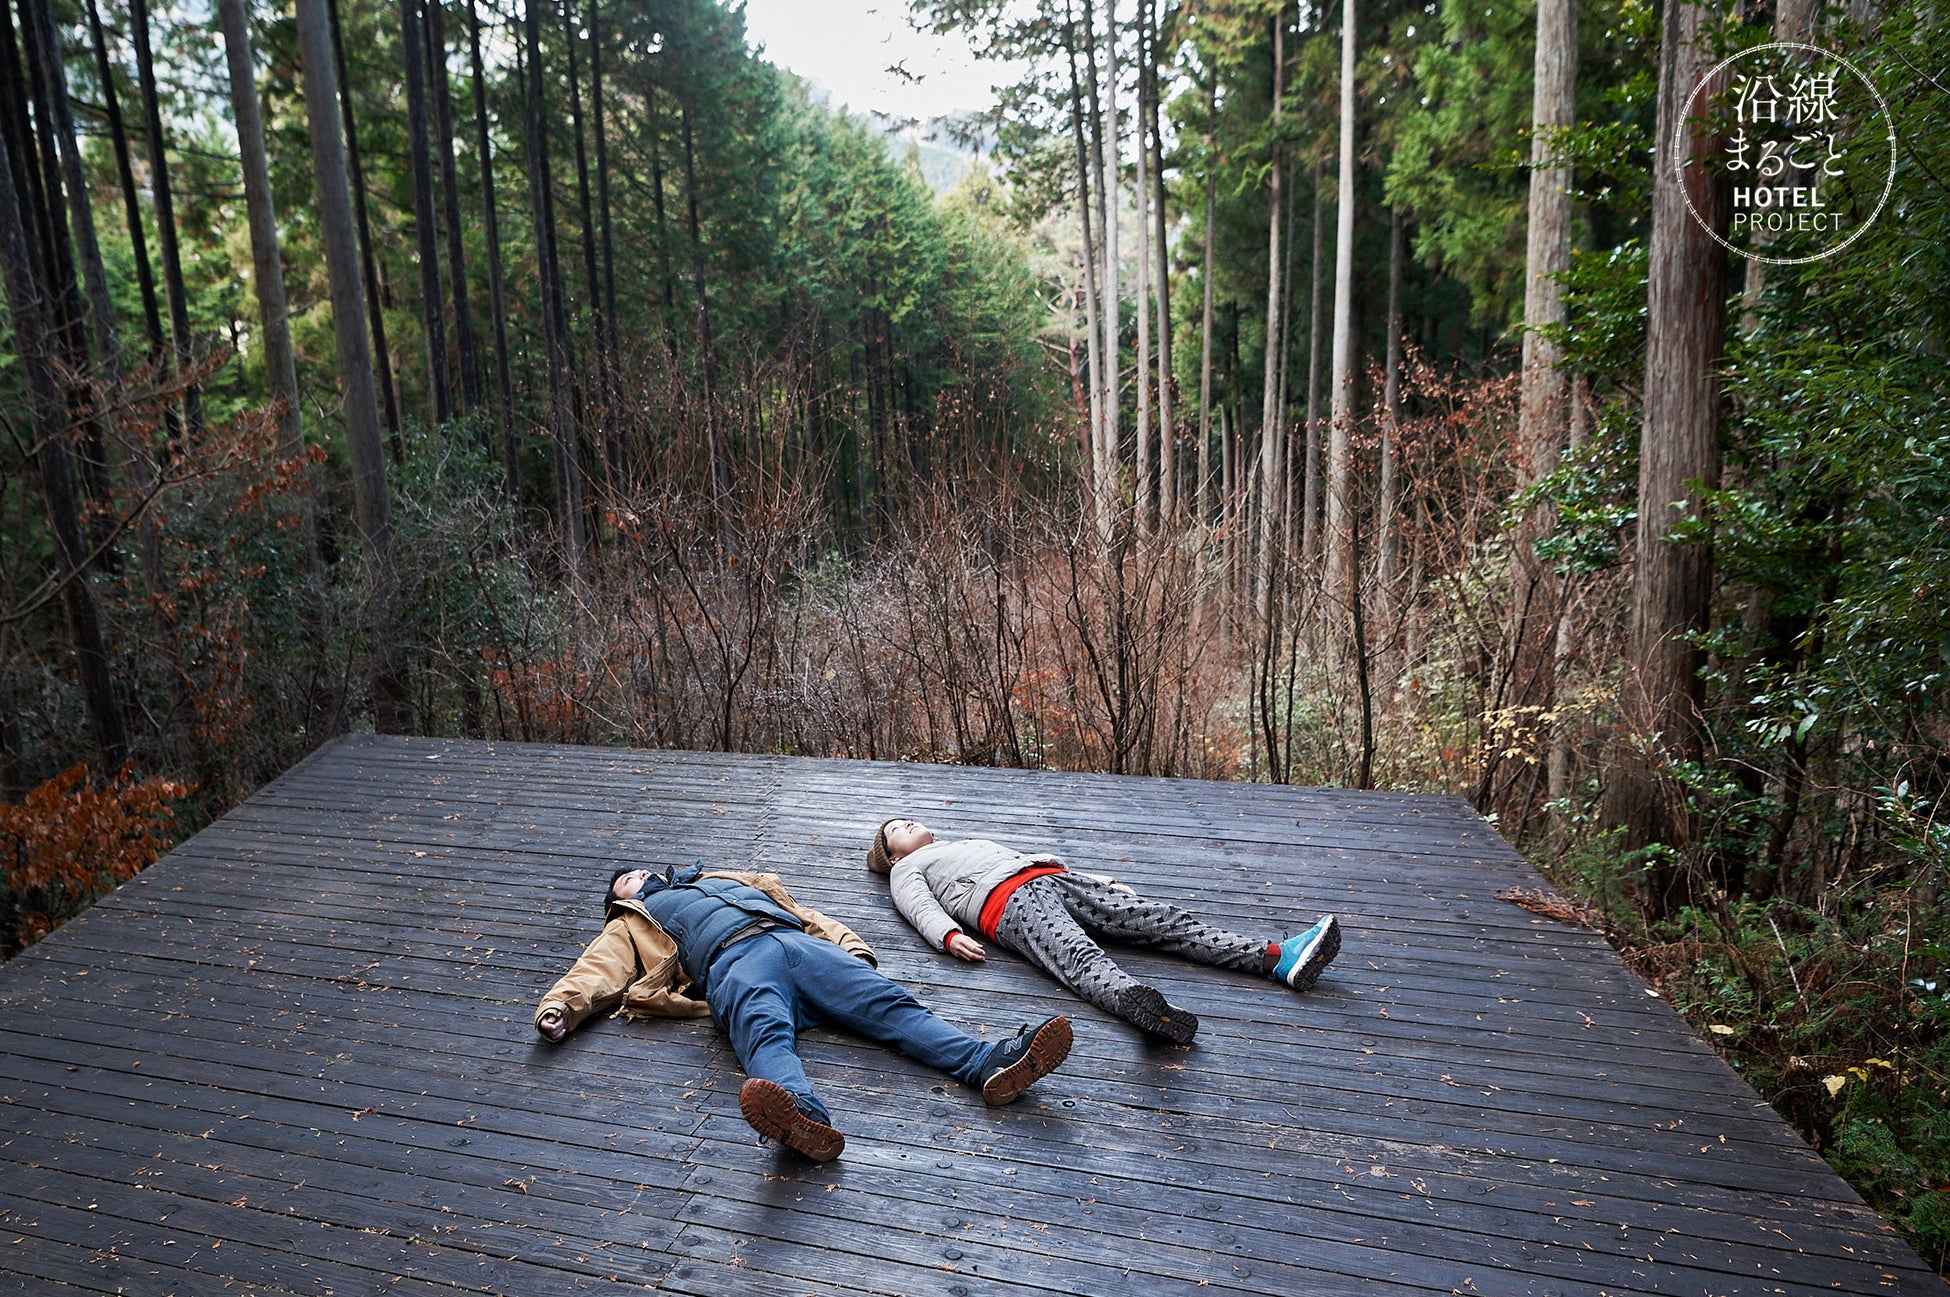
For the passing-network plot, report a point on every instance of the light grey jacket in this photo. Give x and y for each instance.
(941, 887)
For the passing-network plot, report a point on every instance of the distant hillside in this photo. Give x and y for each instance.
(942, 162)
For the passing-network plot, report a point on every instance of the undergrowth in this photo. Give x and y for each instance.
(1838, 1014)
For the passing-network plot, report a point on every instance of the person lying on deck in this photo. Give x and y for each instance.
(1033, 905)
(736, 946)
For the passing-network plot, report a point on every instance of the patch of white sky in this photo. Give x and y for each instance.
(869, 57)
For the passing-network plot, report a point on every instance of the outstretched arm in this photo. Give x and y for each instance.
(594, 984)
(918, 905)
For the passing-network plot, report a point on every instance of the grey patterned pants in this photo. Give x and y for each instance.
(1049, 922)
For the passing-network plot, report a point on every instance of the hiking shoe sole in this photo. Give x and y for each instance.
(1309, 969)
(1047, 1050)
(1147, 1009)
(770, 1111)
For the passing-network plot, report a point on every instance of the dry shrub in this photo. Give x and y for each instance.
(68, 840)
(985, 629)
(980, 621)
(546, 696)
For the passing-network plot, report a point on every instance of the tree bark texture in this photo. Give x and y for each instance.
(1387, 541)
(139, 461)
(592, 290)
(1271, 442)
(1109, 437)
(497, 289)
(37, 176)
(1797, 21)
(426, 230)
(372, 500)
(720, 444)
(47, 409)
(267, 267)
(81, 217)
(70, 318)
(466, 347)
(1678, 457)
(613, 353)
(1548, 243)
(1141, 194)
(1341, 579)
(1289, 512)
(145, 274)
(555, 324)
(1205, 312)
(24, 170)
(1310, 487)
(665, 276)
(1565, 646)
(1168, 505)
(1093, 335)
(172, 263)
(381, 351)
(1529, 684)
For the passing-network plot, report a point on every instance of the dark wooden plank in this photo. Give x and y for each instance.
(888, 1139)
(1217, 1093)
(330, 987)
(1504, 1077)
(472, 939)
(1223, 1099)
(1453, 943)
(415, 1122)
(1344, 1190)
(209, 1247)
(1251, 1134)
(1371, 1063)
(472, 1254)
(56, 1266)
(1147, 1243)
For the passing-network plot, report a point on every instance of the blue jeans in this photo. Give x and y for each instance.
(764, 990)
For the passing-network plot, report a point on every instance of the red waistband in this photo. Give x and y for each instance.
(992, 908)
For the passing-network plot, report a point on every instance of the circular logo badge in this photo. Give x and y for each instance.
(1806, 143)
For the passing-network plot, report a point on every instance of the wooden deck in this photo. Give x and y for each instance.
(296, 1057)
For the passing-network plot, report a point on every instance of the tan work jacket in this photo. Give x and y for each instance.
(632, 964)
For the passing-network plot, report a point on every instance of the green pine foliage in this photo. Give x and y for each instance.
(1815, 954)
(827, 264)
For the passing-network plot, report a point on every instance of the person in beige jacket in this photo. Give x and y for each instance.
(737, 947)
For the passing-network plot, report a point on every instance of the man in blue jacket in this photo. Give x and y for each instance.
(765, 967)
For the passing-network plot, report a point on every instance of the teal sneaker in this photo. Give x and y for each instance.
(1304, 957)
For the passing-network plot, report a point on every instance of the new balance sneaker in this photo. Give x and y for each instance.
(1303, 957)
(1015, 1065)
(769, 1109)
(1145, 1008)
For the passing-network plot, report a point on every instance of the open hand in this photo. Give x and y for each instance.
(962, 946)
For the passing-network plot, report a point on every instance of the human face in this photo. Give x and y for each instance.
(629, 884)
(904, 836)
